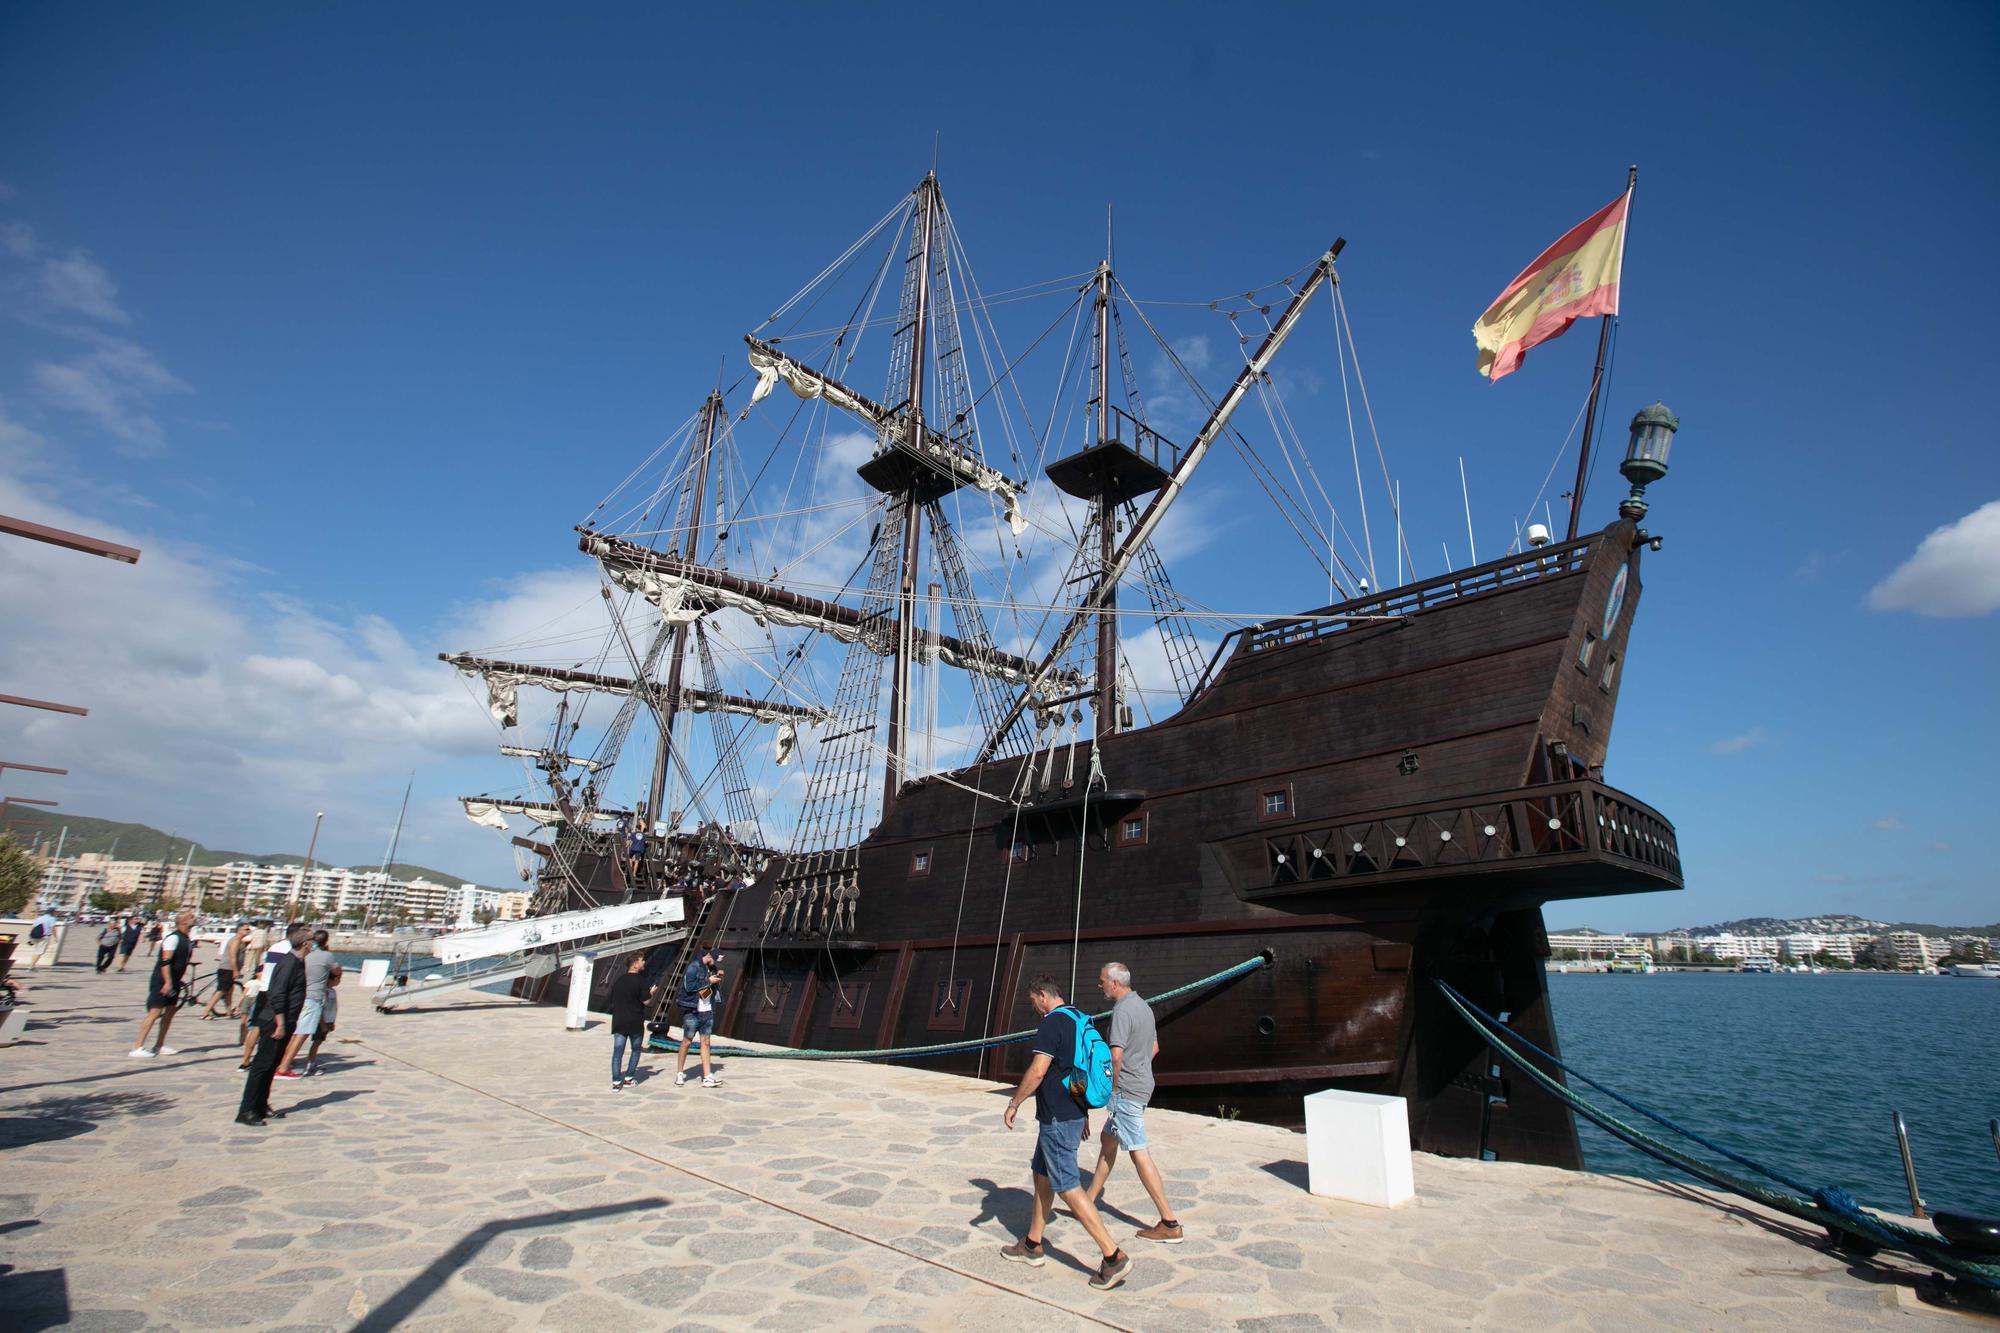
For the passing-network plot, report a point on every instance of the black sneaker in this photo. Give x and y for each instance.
(1112, 1271)
(1025, 1251)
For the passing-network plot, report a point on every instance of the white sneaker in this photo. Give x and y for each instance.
(167, 1050)
(141, 1053)
(711, 1082)
(680, 1079)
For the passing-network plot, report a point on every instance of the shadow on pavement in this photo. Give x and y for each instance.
(1292, 1173)
(33, 1301)
(138, 1067)
(54, 1118)
(326, 1099)
(419, 1289)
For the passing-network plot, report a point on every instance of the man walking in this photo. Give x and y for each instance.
(42, 935)
(1059, 1123)
(228, 966)
(320, 965)
(329, 1014)
(283, 1000)
(1134, 1043)
(107, 945)
(700, 998)
(163, 987)
(128, 940)
(629, 994)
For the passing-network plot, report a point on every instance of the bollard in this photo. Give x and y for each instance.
(1909, 1167)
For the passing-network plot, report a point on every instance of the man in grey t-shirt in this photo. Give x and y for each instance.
(1134, 1042)
(320, 964)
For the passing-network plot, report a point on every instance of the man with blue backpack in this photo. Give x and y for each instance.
(1069, 1073)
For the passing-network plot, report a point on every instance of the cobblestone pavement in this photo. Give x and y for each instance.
(466, 1167)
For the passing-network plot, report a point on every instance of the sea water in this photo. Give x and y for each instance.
(1800, 1072)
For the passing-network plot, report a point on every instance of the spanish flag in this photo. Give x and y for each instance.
(1573, 279)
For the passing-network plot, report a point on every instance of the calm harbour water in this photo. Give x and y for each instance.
(1800, 1072)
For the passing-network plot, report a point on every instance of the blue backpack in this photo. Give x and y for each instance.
(1090, 1063)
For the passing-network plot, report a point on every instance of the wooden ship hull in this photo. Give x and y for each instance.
(1375, 795)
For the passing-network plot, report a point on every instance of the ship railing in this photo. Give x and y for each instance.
(1528, 823)
(1146, 442)
(1399, 603)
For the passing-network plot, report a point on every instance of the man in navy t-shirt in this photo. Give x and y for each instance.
(1059, 1122)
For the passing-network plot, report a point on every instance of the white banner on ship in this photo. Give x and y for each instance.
(562, 928)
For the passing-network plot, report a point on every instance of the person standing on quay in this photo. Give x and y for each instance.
(128, 940)
(320, 965)
(1059, 1123)
(279, 1007)
(329, 1014)
(700, 997)
(629, 994)
(268, 952)
(153, 937)
(1134, 1042)
(228, 966)
(163, 987)
(107, 946)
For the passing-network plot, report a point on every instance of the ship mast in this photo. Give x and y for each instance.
(711, 414)
(906, 585)
(1107, 523)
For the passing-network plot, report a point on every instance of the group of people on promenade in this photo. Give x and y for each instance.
(290, 983)
(1053, 1080)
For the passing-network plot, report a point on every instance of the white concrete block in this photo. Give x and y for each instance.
(374, 971)
(577, 1016)
(1358, 1148)
(13, 1022)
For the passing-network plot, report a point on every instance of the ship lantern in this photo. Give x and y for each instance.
(1646, 456)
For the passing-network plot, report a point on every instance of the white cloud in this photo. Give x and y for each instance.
(1888, 824)
(116, 385)
(1739, 743)
(17, 238)
(223, 711)
(80, 283)
(1955, 571)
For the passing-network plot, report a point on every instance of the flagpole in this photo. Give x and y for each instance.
(1596, 383)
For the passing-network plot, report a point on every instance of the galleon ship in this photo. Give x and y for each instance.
(798, 586)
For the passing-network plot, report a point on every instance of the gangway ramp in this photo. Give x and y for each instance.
(531, 948)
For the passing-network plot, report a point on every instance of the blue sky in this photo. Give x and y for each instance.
(346, 315)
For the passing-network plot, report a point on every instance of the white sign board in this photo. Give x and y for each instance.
(562, 928)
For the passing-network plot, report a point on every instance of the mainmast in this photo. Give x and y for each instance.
(906, 585)
(1107, 523)
(655, 795)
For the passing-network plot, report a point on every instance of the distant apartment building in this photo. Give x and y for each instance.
(1973, 946)
(248, 888)
(1805, 948)
(1909, 951)
(1727, 946)
(513, 906)
(1590, 944)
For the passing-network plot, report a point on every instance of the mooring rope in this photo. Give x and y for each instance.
(1832, 1207)
(1248, 965)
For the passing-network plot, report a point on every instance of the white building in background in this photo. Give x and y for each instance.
(1804, 948)
(1727, 945)
(1912, 952)
(1589, 944)
(248, 888)
(467, 901)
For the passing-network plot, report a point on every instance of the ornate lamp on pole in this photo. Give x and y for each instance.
(1646, 456)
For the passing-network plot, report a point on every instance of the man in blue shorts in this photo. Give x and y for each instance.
(1059, 1123)
(1134, 1042)
(700, 1000)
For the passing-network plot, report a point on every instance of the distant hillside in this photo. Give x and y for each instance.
(1833, 923)
(142, 842)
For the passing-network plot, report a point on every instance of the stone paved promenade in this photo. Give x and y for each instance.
(467, 1168)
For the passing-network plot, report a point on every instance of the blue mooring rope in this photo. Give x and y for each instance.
(658, 1043)
(1832, 1207)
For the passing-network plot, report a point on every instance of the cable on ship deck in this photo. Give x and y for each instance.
(1830, 1207)
(1248, 965)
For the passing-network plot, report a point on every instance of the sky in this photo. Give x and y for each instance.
(346, 315)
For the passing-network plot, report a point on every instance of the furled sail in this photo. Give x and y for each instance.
(503, 679)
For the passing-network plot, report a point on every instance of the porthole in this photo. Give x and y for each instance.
(1267, 1026)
